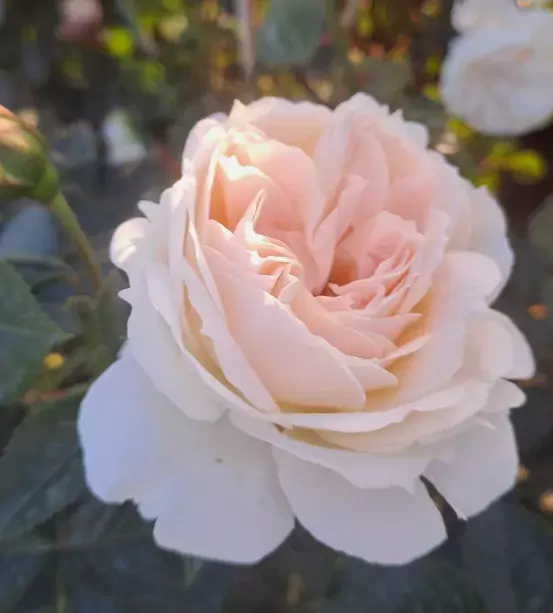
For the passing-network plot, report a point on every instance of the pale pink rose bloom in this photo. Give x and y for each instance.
(311, 333)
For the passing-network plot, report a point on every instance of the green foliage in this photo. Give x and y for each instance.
(103, 321)
(40, 271)
(112, 564)
(291, 32)
(433, 583)
(119, 42)
(508, 555)
(21, 561)
(527, 165)
(26, 335)
(40, 470)
(95, 524)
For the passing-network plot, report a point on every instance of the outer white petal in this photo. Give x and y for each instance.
(129, 250)
(484, 467)
(213, 489)
(489, 233)
(489, 348)
(127, 237)
(504, 396)
(390, 526)
(524, 366)
(495, 348)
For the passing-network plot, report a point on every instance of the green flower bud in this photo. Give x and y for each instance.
(24, 166)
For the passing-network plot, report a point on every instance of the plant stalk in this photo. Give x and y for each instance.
(61, 209)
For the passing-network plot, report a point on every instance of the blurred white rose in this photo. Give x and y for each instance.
(498, 75)
(467, 14)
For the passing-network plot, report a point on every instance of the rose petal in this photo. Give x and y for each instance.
(390, 526)
(489, 234)
(213, 489)
(124, 249)
(360, 469)
(198, 135)
(231, 356)
(157, 352)
(524, 366)
(294, 123)
(418, 426)
(484, 467)
(347, 339)
(459, 289)
(380, 411)
(489, 346)
(503, 397)
(273, 339)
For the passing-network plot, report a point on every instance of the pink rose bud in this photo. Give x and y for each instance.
(24, 166)
(78, 18)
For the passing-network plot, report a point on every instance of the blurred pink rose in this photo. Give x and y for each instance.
(78, 18)
(311, 334)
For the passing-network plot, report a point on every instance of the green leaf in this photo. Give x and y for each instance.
(509, 556)
(137, 576)
(431, 584)
(20, 563)
(114, 547)
(540, 231)
(40, 470)
(26, 335)
(96, 524)
(38, 271)
(291, 31)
